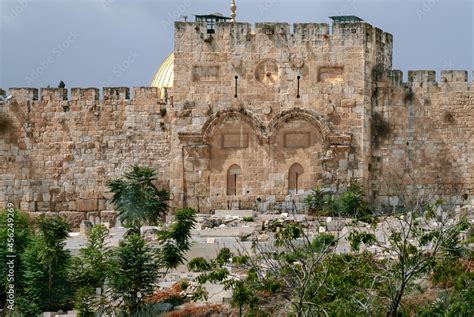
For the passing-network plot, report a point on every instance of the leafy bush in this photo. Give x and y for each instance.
(350, 203)
(248, 219)
(224, 256)
(315, 201)
(323, 241)
(198, 264)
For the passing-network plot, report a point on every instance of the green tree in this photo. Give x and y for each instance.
(175, 239)
(284, 274)
(137, 199)
(133, 273)
(19, 226)
(45, 266)
(89, 270)
(417, 240)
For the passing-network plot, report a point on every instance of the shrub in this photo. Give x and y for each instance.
(89, 270)
(224, 256)
(315, 201)
(323, 241)
(4, 122)
(449, 117)
(350, 203)
(175, 240)
(198, 264)
(248, 219)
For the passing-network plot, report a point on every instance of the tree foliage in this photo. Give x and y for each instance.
(175, 239)
(137, 199)
(133, 273)
(417, 240)
(45, 266)
(89, 270)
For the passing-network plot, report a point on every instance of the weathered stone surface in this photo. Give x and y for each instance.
(74, 218)
(87, 205)
(308, 108)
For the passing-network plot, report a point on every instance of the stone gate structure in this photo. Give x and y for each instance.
(246, 113)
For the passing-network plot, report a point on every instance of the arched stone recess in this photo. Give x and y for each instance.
(217, 118)
(312, 117)
(305, 137)
(267, 157)
(298, 139)
(236, 138)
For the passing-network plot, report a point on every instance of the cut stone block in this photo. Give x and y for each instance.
(237, 213)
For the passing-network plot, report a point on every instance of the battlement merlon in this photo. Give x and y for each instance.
(90, 94)
(24, 94)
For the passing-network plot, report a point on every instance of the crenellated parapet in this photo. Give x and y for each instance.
(109, 94)
(240, 32)
(420, 78)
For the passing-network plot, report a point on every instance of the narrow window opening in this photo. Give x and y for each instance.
(232, 180)
(295, 181)
(298, 87)
(235, 86)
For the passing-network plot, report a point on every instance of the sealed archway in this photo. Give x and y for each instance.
(232, 178)
(295, 180)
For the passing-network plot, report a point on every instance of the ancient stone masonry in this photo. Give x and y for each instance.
(58, 152)
(255, 114)
(430, 135)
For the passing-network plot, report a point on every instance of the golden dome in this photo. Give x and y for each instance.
(164, 75)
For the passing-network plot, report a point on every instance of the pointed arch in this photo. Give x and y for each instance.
(217, 118)
(299, 114)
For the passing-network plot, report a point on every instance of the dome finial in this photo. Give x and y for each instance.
(233, 9)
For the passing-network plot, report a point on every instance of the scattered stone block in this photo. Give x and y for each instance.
(234, 213)
(85, 227)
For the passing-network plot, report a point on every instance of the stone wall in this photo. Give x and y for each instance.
(274, 84)
(58, 151)
(256, 113)
(430, 138)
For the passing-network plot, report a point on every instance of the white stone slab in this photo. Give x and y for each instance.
(237, 213)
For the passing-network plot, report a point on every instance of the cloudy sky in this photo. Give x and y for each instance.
(95, 43)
